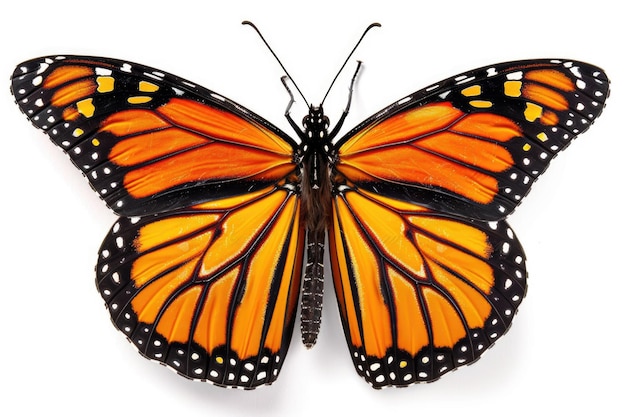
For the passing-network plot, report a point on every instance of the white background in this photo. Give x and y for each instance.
(565, 351)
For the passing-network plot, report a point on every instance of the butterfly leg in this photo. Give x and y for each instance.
(339, 123)
(293, 124)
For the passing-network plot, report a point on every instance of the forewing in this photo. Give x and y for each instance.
(420, 292)
(148, 141)
(211, 291)
(473, 145)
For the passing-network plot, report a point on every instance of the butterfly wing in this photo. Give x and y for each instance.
(207, 280)
(149, 141)
(427, 274)
(209, 290)
(420, 292)
(474, 144)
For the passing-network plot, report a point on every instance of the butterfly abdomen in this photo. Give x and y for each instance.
(312, 289)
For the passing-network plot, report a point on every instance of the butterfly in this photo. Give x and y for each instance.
(204, 269)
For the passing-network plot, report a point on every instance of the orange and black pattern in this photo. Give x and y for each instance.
(148, 141)
(210, 290)
(202, 271)
(481, 138)
(417, 304)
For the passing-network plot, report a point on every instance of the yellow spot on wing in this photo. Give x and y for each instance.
(513, 88)
(105, 84)
(86, 107)
(472, 91)
(95, 142)
(139, 99)
(481, 104)
(532, 112)
(147, 87)
(77, 132)
(526, 147)
(542, 137)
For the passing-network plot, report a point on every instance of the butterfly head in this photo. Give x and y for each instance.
(316, 123)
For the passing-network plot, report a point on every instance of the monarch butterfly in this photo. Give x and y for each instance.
(203, 269)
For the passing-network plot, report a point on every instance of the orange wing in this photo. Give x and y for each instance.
(427, 273)
(474, 144)
(420, 292)
(207, 281)
(148, 141)
(211, 290)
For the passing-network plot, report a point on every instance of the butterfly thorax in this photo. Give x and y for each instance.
(315, 179)
(316, 207)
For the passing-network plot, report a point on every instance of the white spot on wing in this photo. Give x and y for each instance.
(516, 76)
(404, 100)
(42, 68)
(103, 71)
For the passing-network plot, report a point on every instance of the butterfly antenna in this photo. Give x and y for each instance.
(246, 22)
(373, 25)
